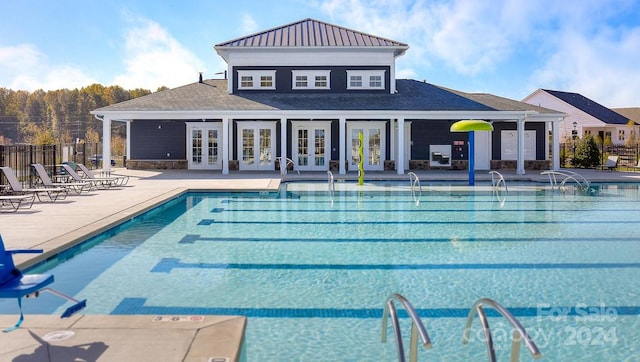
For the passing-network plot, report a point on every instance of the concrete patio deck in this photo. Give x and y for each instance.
(57, 226)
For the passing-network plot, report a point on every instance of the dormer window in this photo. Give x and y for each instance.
(310, 79)
(257, 79)
(365, 79)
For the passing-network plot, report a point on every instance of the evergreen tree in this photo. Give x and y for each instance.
(587, 154)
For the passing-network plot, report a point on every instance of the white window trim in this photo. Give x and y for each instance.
(256, 74)
(311, 78)
(366, 78)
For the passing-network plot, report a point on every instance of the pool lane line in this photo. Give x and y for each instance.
(130, 306)
(166, 265)
(208, 222)
(192, 238)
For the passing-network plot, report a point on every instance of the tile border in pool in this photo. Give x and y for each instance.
(137, 306)
(165, 265)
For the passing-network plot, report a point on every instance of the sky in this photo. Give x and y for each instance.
(508, 48)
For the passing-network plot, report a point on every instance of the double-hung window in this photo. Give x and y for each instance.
(257, 79)
(310, 79)
(365, 79)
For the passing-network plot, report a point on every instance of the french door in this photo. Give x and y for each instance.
(311, 145)
(204, 142)
(374, 146)
(256, 145)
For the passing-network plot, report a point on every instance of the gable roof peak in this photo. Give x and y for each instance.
(589, 106)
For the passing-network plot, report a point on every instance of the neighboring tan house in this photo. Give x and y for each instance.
(584, 116)
(632, 113)
(306, 91)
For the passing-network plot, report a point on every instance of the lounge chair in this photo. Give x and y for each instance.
(611, 164)
(14, 284)
(117, 179)
(636, 167)
(13, 202)
(97, 183)
(77, 187)
(52, 193)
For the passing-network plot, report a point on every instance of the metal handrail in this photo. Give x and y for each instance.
(414, 181)
(331, 185)
(582, 182)
(416, 328)
(496, 181)
(285, 169)
(519, 334)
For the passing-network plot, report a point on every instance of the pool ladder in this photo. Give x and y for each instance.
(499, 186)
(417, 328)
(331, 185)
(565, 176)
(416, 188)
(287, 161)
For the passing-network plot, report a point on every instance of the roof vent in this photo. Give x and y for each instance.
(200, 78)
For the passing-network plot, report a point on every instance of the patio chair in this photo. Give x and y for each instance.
(13, 202)
(14, 284)
(117, 179)
(52, 193)
(95, 183)
(77, 187)
(611, 164)
(636, 167)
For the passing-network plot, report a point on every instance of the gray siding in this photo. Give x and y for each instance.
(425, 133)
(338, 79)
(153, 140)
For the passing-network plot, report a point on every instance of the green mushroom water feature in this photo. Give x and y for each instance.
(470, 126)
(361, 159)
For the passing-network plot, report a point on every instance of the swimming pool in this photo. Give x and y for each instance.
(312, 273)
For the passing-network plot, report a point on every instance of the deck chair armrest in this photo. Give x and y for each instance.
(25, 251)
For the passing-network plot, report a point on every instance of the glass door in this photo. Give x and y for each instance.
(204, 146)
(311, 145)
(256, 145)
(373, 146)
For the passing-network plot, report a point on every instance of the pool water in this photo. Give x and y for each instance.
(312, 272)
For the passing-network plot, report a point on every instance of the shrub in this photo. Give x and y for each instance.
(587, 154)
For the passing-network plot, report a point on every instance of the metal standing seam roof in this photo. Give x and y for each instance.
(590, 107)
(311, 33)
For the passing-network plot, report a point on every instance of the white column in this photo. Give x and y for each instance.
(128, 146)
(229, 79)
(555, 144)
(225, 145)
(400, 153)
(342, 126)
(283, 141)
(106, 144)
(520, 158)
(392, 137)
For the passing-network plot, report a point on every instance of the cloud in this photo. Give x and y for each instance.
(453, 33)
(544, 43)
(153, 58)
(24, 67)
(603, 67)
(248, 25)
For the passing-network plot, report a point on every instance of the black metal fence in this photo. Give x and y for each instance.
(628, 155)
(20, 158)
